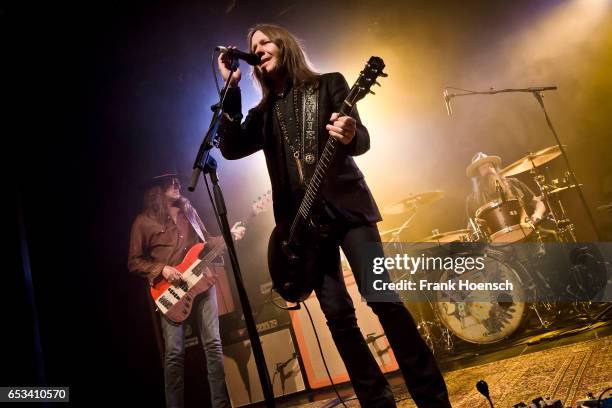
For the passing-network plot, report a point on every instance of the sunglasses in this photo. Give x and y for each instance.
(175, 183)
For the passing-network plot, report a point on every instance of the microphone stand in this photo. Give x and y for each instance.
(207, 164)
(537, 94)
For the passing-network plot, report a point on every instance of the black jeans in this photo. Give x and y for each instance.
(423, 378)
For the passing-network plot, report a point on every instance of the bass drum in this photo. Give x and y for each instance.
(495, 315)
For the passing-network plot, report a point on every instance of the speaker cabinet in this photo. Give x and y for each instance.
(281, 359)
(307, 343)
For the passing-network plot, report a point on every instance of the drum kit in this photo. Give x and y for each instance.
(496, 225)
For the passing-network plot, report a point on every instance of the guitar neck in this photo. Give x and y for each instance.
(312, 190)
(367, 77)
(214, 252)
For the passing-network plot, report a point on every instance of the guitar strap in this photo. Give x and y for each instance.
(195, 221)
(310, 130)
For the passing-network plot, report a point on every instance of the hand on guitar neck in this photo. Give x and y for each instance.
(238, 231)
(342, 127)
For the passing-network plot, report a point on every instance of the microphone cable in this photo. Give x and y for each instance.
(341, 401)
(297, 306)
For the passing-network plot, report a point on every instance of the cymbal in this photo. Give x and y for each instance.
(391, 231)
(450, 236)
(560, 189)
(412, 201)
(531, 161)
(605, 208)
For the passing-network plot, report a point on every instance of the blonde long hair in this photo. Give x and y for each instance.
(293, 62)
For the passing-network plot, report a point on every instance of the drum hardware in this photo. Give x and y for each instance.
(476, 232)
(564, 228)
(436, 335)
(560, 189)
(543, 323)
(433, 331)
(583, 309)
(425, 330)
(396, 234)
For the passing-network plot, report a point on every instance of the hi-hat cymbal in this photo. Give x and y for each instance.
(450, 236)
(531, 161)
(560, 189)
(413, 200)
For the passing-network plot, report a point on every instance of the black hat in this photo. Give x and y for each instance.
(165, 176)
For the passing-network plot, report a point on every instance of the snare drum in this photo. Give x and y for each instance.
(502, 221)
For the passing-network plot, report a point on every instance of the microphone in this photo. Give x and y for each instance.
(447, 98)
(501, 191)
(475, 187)
(251, 59)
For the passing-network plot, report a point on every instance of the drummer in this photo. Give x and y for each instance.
(489, 185)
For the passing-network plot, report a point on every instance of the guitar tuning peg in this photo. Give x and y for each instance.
(372, 92)
(376, 82)
(384, 74)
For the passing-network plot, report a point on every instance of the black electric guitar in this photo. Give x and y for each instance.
(292, 250)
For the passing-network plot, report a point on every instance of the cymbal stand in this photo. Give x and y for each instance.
(425, 327)
(563, 225)
(396, 234)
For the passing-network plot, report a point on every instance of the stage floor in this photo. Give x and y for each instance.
(562, 364)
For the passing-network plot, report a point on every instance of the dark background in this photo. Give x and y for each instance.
(103, 96)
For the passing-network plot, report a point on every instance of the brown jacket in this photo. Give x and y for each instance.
(153, 245)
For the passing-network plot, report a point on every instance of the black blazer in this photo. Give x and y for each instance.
(344, 188)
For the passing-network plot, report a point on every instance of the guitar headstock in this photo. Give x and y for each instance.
(367, 78)
(262, 203)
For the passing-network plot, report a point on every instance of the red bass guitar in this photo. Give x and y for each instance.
(176, 300)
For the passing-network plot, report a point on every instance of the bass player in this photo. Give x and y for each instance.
(160, 237)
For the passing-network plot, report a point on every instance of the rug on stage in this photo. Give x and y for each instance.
(566, 373)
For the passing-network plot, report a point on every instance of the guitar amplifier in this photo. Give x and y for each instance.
(268, 318)
(282, 361)
(309, 351)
